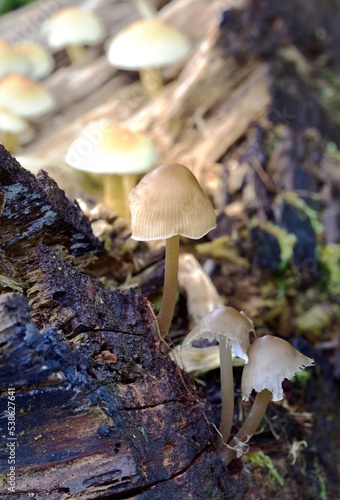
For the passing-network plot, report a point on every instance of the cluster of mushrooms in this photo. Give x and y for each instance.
(22, 96)
(119, 154)
(168, 203)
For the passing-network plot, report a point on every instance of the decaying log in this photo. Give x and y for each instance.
(101, 410)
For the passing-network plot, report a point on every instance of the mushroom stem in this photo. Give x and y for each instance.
(151, 80)
(249, 427)
(129, 181)
(227, 390)
(76, 53)
(145, 8)
(113, 190)
(166, 312)
(10, 141)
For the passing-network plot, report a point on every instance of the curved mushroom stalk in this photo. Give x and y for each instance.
(231, 450)
(271, 360)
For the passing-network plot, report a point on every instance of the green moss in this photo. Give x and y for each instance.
(330, 261)
(285, 240)
(294, 200)
(262, 460)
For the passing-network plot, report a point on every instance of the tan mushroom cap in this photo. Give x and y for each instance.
(40, 59)
(24, 97)
(224, 324)
(169, 201)
(72, 26)
(106, 148)
(147, 43)
(10, 61)
(271, 360)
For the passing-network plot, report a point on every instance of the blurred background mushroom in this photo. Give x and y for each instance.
(72, 29)
(147, 45)
(40, 59)
(120, 155)
(11, 61)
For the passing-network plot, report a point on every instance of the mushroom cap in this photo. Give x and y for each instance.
(11, 61)
(9, 122)
(271, 360)
(72, 26)
(106, 148)
(147, 43)
(169, 201)
(225, 323)
(40, 60)
(24, 97)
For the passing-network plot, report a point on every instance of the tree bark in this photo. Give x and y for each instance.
(101, 410)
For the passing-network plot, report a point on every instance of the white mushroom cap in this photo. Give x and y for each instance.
(271, 360)
(9, 122)
(147, 43)
(72, 26)
(106, 148)
(224, 324)
(12, 62)
(40, 60)
(169, 201)
(24, 97)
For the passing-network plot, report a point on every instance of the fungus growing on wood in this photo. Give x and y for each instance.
(11, 61)
(12, 127)
(24, 97)
(271, 360)
(72, 28)
(40, 59)
(231, 328)
(147, 45)
(166, 203)
(119, 154)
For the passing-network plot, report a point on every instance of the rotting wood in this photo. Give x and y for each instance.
(101, 408)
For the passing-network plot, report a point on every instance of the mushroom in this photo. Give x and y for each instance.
(40, 59)
(231, 328)
(146, 45)
(24, 97)
(71, 28)
(146, 8)
(166, 203)
(118, 153)
(271, 360)
(11, 61)
(12, 127)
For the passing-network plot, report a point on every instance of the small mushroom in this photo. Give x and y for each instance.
(116, 152)
(72, 28)
(166, 203)
(271, 360)
(231, 328)
(24, 97)
(40, 59)
(147, 45)
(11, 61)
(12, 127)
